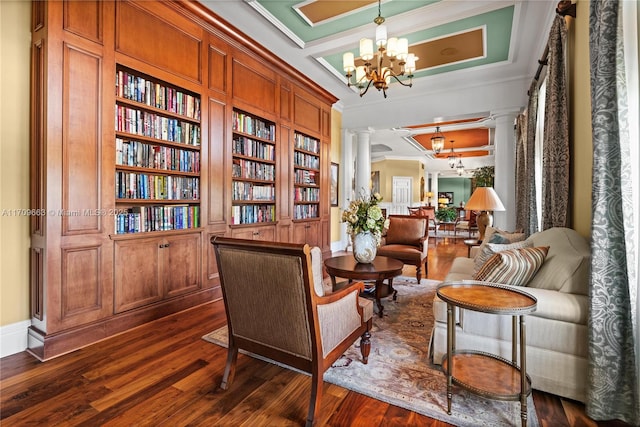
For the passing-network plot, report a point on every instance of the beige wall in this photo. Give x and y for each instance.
(580, 118)
(336, 149)
(390, 168)
(15, 43)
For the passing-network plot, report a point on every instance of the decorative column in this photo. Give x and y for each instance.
(347, 172)
(505, 169)
(434, 189)
(363, 162)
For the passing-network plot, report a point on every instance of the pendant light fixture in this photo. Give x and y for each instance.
(437, 141)
(452, 157)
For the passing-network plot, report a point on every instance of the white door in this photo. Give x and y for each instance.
(401, 194)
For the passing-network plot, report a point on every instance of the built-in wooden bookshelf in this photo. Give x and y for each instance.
(158, 138)
(306, 170)
(253, 170)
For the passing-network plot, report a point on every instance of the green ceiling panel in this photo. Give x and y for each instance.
(498, 33)
(283, 10)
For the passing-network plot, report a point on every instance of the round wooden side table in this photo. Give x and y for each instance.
(478, 371)
(380, 269)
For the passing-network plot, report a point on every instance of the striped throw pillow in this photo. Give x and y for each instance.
(514, 267)
(487, 251)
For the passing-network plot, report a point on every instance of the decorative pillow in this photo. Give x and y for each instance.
(492, 231)
(514, 267)
(499, 238)
(489, 249)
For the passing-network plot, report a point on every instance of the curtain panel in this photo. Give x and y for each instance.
(555, 151)
(612, 391)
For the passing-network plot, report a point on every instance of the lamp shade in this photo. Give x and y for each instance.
(484, 199)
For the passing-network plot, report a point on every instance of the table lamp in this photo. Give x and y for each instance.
(429, 196)
(484, 199)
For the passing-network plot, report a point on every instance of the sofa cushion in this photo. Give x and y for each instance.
(490, 249)
(513, 267)
(406, 231)
(566, 267)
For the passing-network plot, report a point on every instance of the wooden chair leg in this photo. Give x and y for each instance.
(230, 368)
(365, 343)
(316, 397)
(419, 272)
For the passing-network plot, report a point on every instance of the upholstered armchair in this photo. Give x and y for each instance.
(428, 212)
(276, 309)
(466, 223)
(407, 240)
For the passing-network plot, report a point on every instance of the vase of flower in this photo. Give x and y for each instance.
(365, 247)
(365, 225)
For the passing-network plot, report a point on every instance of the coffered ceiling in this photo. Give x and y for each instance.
(477, 59)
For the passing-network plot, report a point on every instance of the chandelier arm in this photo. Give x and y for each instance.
(366, 89)
(401, 82)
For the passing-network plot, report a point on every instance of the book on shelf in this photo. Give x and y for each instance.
(141, 219)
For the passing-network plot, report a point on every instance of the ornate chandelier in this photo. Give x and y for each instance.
(437, 141)
(378, 74)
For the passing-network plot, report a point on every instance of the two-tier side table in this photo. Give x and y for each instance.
(482, 373)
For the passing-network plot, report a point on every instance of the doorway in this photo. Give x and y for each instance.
(402, 189)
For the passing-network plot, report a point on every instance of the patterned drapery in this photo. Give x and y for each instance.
(613, 390)
(526, 210)
(555, 148)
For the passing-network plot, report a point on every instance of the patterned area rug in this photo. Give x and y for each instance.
(400, 371)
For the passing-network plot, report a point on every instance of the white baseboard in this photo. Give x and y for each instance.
(13, 338)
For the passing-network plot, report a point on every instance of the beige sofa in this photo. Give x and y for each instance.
(556, 332)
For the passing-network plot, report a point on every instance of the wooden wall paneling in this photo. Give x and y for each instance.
(85, 297)
(285, 102)
(38, 133)
(217, 59)
(37, 283)
(253, 84)
(84, 18)
(326, 123)
(81, 142)
(285, 182)
(306, 113)
(38, 15)
(171, 42)
(216, 172)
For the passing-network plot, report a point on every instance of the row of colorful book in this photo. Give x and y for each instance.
(140, 154)
(251, 214)
(249, 169)
(153, 125)
(248, 124)
(306, 143)
(140, 219)
(155, 95)
(130, 185)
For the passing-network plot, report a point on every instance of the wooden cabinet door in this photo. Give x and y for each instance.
(137, 273)
(306, 232)
(181, 264)
(266, 233)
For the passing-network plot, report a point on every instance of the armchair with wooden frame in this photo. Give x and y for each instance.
(407, 240)
(428, 212)
(466, 222)
(276, 308)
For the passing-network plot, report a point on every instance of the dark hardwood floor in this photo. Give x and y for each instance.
(164, 374)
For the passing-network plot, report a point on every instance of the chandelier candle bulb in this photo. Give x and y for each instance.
(348, 62)
(366, 49)
(381, 35)
(403, 49)
(392, 47)
(410, 65)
